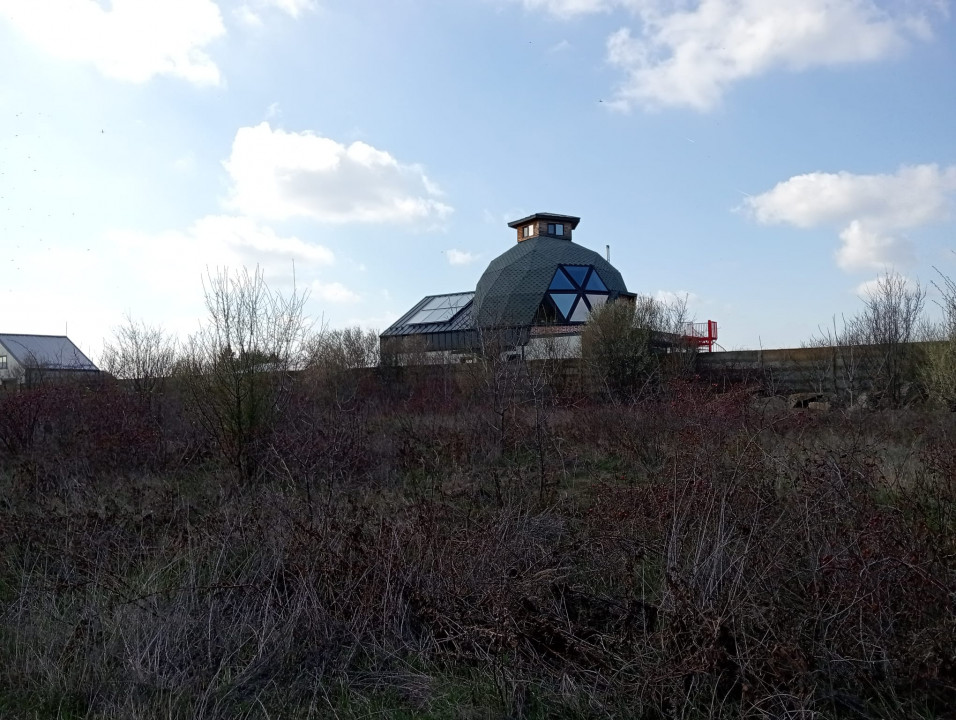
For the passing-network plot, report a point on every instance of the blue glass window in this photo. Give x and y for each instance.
(561, 281)
(577, 273)
(575, 290)
(595, 282)
(564, 301)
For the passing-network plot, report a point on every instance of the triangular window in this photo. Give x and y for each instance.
(595, 283)
(577, 273)
(564, 301)
(575, 291)
(580, 313)
(547, 313)
(561, 281)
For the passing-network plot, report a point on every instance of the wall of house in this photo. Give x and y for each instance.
(541, 228)
(552, 347)
(13, 373)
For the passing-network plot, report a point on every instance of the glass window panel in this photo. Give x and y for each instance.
(428, 316)
(577, 272)
(595, 282)
(441, 308)
(423, 316)
(581, 312)
(597, 301)
(564, 302)
(561, 282)
(559, 229)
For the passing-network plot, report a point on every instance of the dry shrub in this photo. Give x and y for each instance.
(693, 556)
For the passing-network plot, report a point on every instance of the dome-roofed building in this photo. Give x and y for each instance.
(546, 279)
(545, 286)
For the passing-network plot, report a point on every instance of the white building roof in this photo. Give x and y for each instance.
(54, 352)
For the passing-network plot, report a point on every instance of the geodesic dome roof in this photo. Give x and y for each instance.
(513, 287)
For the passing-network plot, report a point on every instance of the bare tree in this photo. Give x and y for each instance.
(891, 321)
(344, 349)
(844, 372)
(237, 368)
(875, 349)
(142, 354)
(939, 370)
(332, 358)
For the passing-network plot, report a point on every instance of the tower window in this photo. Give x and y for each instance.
(555, 229)
(528, 229)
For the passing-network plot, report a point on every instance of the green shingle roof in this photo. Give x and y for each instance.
(510, 290)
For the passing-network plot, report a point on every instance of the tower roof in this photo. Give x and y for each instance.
(570, 219)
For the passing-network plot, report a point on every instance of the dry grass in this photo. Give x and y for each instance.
(688, 556)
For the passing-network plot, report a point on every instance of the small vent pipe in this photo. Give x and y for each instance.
(607, 252)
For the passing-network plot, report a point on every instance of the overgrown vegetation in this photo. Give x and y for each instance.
(490, 540)
(624, 346)
(890, 354)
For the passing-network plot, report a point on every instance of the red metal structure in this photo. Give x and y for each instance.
(703, 334)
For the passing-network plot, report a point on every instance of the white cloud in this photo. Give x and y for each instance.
(871, 210)
(569, 8)
(185, 163)
(669, 297)
(689, 52)
(280, 175)
(293, 7)
(871, 288)
(864, 249)
(334, 292)
(134, 40)
(377, 322)
(248, 17)
(460, 257)
(177, 260)
(256, 242)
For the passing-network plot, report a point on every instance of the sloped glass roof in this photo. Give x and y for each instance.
(441, 308)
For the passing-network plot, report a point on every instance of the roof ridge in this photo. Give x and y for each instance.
(34, 335)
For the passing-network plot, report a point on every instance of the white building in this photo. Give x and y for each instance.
(26, 359)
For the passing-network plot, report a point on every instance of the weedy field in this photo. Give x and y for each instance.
(399, 548)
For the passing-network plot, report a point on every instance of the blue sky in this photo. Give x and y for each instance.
(767, 159)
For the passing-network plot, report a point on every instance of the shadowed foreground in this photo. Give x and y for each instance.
(683, 556)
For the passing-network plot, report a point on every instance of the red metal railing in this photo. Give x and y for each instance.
(703, 334)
